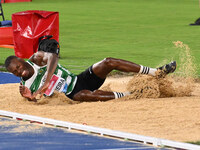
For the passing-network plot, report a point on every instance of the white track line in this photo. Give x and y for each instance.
(102, 131)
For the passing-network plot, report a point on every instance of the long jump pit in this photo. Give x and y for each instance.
(164, 108)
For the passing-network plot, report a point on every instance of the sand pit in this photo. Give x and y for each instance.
(174, 118)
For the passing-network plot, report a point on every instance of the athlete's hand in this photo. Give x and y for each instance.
(41, 90)
(25, 92)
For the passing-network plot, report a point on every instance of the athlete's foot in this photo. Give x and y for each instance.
(166, 69)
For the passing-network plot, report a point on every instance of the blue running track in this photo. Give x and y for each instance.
(8, 78)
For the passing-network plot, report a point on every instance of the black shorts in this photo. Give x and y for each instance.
(86, 80)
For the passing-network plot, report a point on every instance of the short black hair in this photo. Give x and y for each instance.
(8, 61)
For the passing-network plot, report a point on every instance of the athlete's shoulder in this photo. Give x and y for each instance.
(32, 58)
(37, 58)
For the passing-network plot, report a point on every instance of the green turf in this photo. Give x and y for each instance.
(141, 31)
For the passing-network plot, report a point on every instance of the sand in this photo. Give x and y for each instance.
(173, 117)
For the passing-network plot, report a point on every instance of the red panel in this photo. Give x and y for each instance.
(29, 26)
(14, 1)
(6, 35)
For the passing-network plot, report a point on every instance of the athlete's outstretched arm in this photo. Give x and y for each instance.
(44, 58)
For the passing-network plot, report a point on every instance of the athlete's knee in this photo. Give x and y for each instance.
(96, 92)
(109, 61)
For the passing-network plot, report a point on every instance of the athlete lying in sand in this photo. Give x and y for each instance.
(42, 74)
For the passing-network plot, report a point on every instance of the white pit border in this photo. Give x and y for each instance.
(103, 132)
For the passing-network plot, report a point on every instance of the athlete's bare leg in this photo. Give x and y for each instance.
(104, 67)
(97, 95)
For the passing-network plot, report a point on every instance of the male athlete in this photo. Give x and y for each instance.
(42, 74)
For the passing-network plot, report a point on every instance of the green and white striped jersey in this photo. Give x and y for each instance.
(62, 80)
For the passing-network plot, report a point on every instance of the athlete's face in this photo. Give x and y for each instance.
(19, 68)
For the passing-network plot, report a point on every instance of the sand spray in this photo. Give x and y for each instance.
(180, 83)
